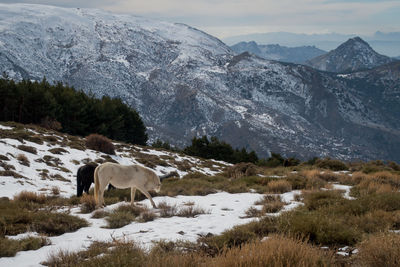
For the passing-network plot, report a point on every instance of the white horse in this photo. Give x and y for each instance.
(120, 176)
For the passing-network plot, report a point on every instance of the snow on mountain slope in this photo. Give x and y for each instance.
(186, 83)
(34, 159)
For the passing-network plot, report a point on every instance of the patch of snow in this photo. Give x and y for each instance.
(3, 127)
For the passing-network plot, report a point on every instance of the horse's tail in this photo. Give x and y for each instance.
(96, 185)
(79, 183)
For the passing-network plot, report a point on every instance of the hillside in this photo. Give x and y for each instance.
(186, 83)
(344, 213)
(353, 55)
(37, 159)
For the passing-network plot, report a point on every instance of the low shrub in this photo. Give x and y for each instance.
(318, 199)
(55, 190)
(58, 150)
(123, 215)
(118, 219)
(11, 173)
(56, 223)
(331, 164)
(147, 216)
(253, 212)
(100, 143)
(10, 247)
(100, 214)
(29, 149)
(320, 227)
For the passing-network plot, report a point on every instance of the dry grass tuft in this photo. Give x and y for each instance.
(242, 169)
(380, 250)
(23, 160)
(29, 149)
(279, 186)
(191, 211)
(10, 247)
(88, 203)
(31, 197)
(275, 251)
(167, 210)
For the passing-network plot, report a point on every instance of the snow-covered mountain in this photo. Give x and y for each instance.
(277, 52)
(353, 55)
(185, 83)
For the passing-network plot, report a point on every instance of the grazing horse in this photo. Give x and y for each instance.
(85, 178)
(120, 176)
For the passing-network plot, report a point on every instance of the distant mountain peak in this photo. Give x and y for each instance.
(353, 55)
(277, 52)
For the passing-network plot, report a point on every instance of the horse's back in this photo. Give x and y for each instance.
(121, 176)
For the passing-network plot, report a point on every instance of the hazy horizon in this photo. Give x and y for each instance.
(227, 18)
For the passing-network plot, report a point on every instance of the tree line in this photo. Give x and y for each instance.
(72, 111)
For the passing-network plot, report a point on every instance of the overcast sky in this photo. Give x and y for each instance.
(224, 18)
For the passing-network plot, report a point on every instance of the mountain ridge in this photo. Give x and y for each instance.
(186, 83)
(277, 52)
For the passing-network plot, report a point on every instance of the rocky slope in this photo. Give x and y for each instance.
(280, 53)
(353, 55)
(186, 83)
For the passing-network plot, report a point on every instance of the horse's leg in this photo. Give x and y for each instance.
(86, 186)
(133, 192)
(79, 186)
(149, 197)
(101, 193)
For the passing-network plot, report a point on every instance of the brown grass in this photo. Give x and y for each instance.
(11, 173)
(88, 203)
(279, 186)
(29, 149)
(191, 211)
(275, 251)
(167, 210)
(10, 247)
(23, 160)
(241, 169)
(31, 197)
(58, 150)
(380, 250)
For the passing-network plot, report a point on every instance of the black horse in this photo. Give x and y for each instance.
(85, 178)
